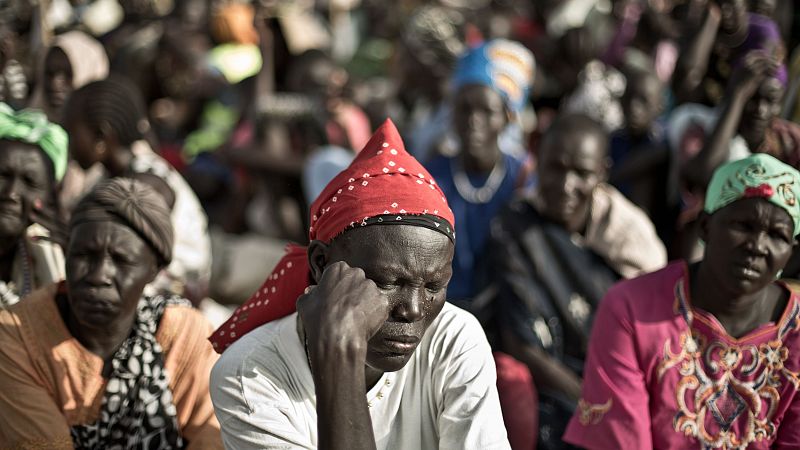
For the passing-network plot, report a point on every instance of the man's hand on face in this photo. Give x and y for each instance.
(341, 314)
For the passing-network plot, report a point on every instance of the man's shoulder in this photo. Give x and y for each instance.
(454, 329)
(249, 350)
(257, 371)
(622, 211)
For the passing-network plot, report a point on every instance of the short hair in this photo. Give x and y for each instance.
(574, 123)
(114, 101)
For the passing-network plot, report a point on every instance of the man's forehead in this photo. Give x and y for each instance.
(579, 145)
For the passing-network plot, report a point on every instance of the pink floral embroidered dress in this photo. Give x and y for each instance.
(661, 374)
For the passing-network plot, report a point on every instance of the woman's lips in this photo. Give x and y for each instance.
(746, 271)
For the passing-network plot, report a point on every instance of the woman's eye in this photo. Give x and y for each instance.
(781, 235)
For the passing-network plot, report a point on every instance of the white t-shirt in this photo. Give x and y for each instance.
(445, 397)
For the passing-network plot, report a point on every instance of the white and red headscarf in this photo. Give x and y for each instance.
(383, 185)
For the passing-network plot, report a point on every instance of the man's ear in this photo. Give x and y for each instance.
(317, 259)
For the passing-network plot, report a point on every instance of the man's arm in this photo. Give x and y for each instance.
(339, 316)
(693, 63)
(743, 84)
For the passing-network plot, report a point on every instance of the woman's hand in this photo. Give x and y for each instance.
(341, 313)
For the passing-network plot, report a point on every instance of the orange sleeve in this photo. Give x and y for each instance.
(29, 415)
(189, 358)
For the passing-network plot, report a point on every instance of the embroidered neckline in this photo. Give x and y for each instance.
(683, 305)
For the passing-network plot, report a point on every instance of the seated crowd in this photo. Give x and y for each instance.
(400, 225)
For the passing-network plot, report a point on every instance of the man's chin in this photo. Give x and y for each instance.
(391, 362)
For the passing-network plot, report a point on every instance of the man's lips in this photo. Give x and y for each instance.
(401, 344)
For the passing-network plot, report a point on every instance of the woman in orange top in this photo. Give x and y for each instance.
(92, 363)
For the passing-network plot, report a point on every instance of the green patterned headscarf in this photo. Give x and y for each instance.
(32, 127)
(760, 176)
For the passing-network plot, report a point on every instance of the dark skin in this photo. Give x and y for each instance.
(89, 146)
(642, 103)
(747, 243)
(753, 101)
(25, 183)
(108, 266)
(377, 290)
(573, 161)
(479, 116)
(763, 106)
(725, 24)
(57, 77)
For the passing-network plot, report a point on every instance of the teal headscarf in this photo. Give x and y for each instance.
(32, 127)
(761, 176)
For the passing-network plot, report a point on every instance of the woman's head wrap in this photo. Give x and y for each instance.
(32, 127)
(86, 55)
(384, 185)
(503, 65)
(760, 176)
(134, 204)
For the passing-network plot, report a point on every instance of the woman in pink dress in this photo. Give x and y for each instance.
(705, 355)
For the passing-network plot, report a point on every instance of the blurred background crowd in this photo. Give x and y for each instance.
(241, 112)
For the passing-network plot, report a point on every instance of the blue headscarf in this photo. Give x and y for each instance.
(503, 65)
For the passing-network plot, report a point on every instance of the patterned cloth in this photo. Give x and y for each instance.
(760, 176)
(137, 410)
(503, 65)
(32, 127)
(663, 374)
(383, 180)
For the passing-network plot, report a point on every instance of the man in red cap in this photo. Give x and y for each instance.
(373, 357)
